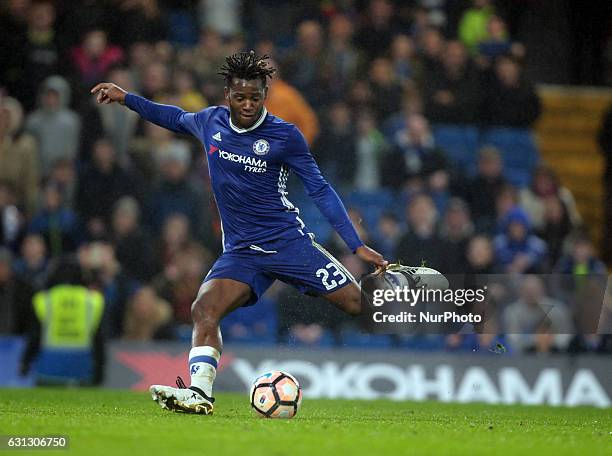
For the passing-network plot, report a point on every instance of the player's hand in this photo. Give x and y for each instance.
(107, 92)
(373, 257)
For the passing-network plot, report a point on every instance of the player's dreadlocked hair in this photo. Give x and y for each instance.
(246, 65)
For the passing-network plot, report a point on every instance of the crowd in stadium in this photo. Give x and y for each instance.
(420, 117)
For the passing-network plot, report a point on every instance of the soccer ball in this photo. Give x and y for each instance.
(276, 394)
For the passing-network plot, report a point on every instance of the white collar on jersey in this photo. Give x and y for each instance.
(264, 113)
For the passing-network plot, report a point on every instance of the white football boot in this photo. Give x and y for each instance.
(182, 399)
(415, 276)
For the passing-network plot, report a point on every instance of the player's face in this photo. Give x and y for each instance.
(246, 100)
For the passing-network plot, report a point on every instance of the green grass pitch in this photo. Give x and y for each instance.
(113, 423)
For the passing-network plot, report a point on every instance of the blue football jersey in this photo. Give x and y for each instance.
(249, 170)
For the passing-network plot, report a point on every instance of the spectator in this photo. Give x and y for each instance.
(378, 29)
(11, 219)
(506, 201)
(141, 54)
(112, 121)
(55, 126)
(305, 67)
(155, 81)
(387, 235)
(33, 264)
(545, 185)
(104, 273)
(206, 57)
(473, 24)
(581, 259)
(57, 223)
(456, 230)
(148, 317)
(141, 20)
(480, 256)
(41, 51)
(497, 43)
(182, 279)
(482, 191)
(74, 23)
(385, 89)
(101, 184)
(510, 101)
(403, 59)
(176, 236)
(287, 103)
(451, 94)
(343, 58)
(13, 33)
(223, 17)
(370, 149)
(18, 155)
(15, 297)
(431, 50)
(518, 250)
(174, 193)
(185, 91)
(421, 242)
(536, 322)
(148, 151)
(94, 57)
(63, 175)
(415, 153)
(66, 336)
(335, 149)
(581, 280)
(557, 226)
(132, 242)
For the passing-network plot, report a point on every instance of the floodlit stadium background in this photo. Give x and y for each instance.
(439, 122)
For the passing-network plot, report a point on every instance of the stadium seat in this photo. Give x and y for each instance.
(250, 339)
(460, 142)
(356, 339)
(519, 152)
(421, 342)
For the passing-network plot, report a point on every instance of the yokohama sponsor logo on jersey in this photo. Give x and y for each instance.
(251, 161)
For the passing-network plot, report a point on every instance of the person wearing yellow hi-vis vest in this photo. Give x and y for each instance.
(66, 332)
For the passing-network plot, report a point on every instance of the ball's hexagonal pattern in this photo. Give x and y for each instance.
(276, 395)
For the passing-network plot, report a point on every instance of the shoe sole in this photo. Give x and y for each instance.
(169, 402)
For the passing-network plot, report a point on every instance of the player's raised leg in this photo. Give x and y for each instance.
(216, 298)
(347, 298)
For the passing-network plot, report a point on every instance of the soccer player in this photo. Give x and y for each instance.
(250, 153)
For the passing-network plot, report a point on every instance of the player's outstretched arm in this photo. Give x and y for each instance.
(166, 116)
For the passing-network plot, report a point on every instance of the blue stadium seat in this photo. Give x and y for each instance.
(358, 339)
(422, 342)
(519, 152)
(460, 142)
(251, 339)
